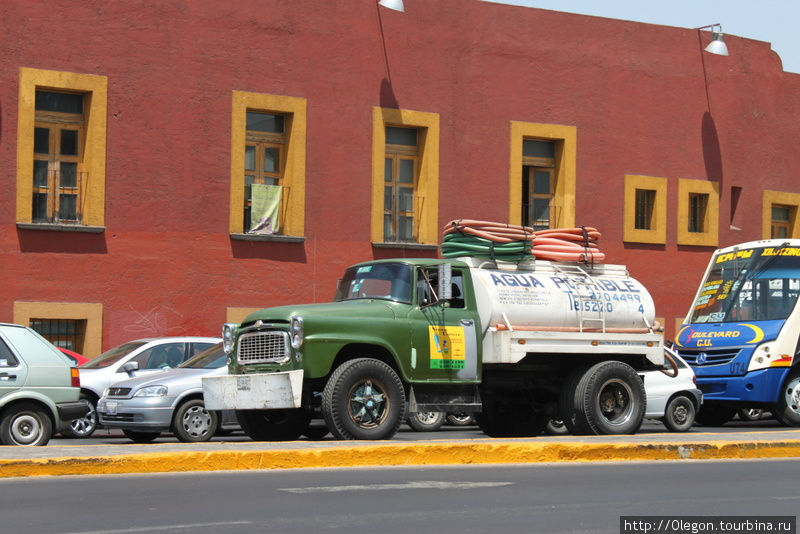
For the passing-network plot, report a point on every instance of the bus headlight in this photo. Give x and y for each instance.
(296, 332)
(227, 337)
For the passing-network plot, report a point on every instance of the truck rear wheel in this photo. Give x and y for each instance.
(606, 399)
(787, 409)
(273, 425)
(363, 399)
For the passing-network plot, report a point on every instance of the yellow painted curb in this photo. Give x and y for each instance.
(396, 455)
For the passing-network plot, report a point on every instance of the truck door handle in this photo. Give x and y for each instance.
(6, 376)
(466, 322)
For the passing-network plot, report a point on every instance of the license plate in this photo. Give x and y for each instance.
(111, 408)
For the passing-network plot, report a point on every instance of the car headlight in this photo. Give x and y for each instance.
(227, 337)
(296, 332)
(152, 391)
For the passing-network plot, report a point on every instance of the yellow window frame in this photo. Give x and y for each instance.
(294, 171)
(709, 237)
(94, 155)
(658, 233)
(565, 139)
(426, 191)
(791, 200)
(90, 312)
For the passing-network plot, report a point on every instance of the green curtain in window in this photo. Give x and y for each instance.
(265, 211)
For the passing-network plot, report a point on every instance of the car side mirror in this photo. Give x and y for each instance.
(130, 368)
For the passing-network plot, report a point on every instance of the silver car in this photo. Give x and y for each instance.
(168, 400)
(132, 359)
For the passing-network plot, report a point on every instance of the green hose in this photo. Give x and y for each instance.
(455, 245)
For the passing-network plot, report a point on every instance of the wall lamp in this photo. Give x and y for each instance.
(396, 5)
(717, 45)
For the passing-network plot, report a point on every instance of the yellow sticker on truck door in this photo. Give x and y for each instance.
(448, 349)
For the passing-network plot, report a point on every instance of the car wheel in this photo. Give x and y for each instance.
(140, 437)
(25, 424)
(86, 425)
(556, 427)
(679, 415)
(363, 399)
(192, 423)
(750, 414)
(460, 419)
(787, 409)
(426, 421)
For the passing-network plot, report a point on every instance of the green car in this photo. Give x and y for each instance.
(39, 388)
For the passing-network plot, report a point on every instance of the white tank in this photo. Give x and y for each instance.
(545, 294)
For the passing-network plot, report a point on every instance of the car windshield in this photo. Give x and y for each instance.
(112, 356)
(749, 285)
(386, 281)
(211, 358)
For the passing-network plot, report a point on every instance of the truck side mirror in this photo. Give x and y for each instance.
(445, 280)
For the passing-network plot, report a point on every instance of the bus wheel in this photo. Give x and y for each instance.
(787, 410)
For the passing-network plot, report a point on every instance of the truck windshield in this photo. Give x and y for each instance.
(386, 281)
(749, 285)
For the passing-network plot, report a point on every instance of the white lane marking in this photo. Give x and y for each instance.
(422, 484)
(162, 528)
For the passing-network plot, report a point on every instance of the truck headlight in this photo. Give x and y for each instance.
(227, 337)
(296, 332)
(152, 391)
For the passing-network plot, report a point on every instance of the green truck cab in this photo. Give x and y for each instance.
(413, 335)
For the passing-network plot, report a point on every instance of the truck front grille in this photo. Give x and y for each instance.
(263, 347)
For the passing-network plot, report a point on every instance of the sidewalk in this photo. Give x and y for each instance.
(243, 455)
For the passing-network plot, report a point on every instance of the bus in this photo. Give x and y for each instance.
(742, 333)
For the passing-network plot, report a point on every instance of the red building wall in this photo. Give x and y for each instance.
(166, 264)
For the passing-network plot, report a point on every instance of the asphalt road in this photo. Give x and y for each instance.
(519, 499)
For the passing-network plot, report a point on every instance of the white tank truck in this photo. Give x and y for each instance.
(514, 343)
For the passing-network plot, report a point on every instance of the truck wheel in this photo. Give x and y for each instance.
(426, 421)
(787, 409)
(25, 424)
(86, 425)
(363, 399)
(566, 402)
(192, 423)
(714, 414)
(608, 399)
(273, 425)
(140, 437)
(679, 415)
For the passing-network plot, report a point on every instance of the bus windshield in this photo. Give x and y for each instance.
(388, 281)
(757, 284)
